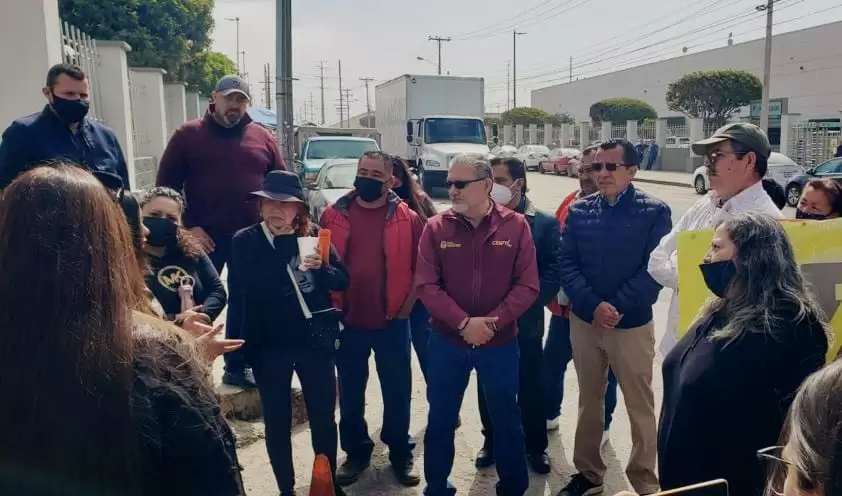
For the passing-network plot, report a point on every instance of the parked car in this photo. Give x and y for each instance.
(829, 169)
(781, 168)
(504, 151)
(561, 161)
(334, 181)
(531, 155)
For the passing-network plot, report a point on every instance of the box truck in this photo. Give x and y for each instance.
(428, 120)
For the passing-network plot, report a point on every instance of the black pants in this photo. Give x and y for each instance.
(273, 372)
(220, 256)
(530, 397)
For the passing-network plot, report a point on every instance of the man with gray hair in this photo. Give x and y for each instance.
(477, 273)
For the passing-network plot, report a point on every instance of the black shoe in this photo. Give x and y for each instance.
(243, 379)
(539, 462)
(579, 485)
(350, 470)
(406, 474)
(485, 457)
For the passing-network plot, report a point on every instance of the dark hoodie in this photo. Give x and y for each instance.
(216, 168)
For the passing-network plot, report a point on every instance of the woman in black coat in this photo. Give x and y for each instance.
(730, 380)
(280, 304)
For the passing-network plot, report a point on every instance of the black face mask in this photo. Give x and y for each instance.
(402, 191)
(800, 214)
(70, 111)
(163, 233)
(369, 189)
(718, 276)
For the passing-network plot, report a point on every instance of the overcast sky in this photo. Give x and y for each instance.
(381, 39)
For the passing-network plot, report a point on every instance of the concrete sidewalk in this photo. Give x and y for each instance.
(668, 178)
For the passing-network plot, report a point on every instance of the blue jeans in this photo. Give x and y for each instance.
(450, 367)
(557, 354)
(419, 325)
(391, 349)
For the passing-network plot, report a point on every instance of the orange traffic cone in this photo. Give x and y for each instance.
(322, 480)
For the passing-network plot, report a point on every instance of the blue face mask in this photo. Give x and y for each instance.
(719, 276)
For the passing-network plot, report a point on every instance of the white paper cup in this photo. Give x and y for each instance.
(307, 246)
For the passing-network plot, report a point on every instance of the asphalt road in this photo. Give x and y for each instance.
(547, 193)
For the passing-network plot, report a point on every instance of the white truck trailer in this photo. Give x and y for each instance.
(429, 119)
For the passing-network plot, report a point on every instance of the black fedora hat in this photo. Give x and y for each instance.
(281, 186)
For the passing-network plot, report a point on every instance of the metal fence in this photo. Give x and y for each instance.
(595, 134)
(618, 131)
(577, 136)
(646, 130)
(708, 129)
(80, 49)
(811, 143)
(539, 136)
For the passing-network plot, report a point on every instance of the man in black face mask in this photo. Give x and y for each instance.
(376, 235)
(61, 132)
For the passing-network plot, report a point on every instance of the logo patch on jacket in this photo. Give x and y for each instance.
(449, 244)
(502, 242)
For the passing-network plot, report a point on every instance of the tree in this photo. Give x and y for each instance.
(170, 34)
(621, 110)
(560, 118)
(713, 95)
(206, 68)
(524, 116)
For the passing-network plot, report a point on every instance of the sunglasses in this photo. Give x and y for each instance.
(462, 184)
(598, 166)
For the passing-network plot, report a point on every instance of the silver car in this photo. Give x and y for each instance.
(334, 181)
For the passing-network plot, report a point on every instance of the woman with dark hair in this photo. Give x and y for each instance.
(281, 305)
(176, 260)
(117, 402)
(809, 460)
(775, 192)
(821, 200)
(408, 189)
(728, 383)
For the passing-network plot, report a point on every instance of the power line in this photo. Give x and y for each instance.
(439, 40)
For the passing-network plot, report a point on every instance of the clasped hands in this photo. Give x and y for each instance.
(606, 316)
(479, 330)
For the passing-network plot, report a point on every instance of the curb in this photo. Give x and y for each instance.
(664, 182)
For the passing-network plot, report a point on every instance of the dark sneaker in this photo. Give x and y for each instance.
(485, 457)
(406, 474)
(539, 462)
(244, 379)
(350, 470)
(579, 485)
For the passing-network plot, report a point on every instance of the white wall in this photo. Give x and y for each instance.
(806, 68)
(31, 44)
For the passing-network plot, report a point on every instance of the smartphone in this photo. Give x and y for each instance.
(717, 487)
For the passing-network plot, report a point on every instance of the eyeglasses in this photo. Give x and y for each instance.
(713, 157)
(777, 469)
(462, 184)
(598, 166)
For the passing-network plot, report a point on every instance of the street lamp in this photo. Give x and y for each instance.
(236, 20)
(515, 34)
(422, 59)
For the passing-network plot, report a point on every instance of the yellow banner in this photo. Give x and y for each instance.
(818, 249)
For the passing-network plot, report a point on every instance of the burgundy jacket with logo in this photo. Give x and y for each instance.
(487, 271)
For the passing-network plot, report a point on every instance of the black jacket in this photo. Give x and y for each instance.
(547, 237)
(722, 402)
(43, 137)
(166, 275)
(263, 307)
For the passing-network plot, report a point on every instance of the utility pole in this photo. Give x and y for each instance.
(348, 105)
(767, 65)
(312, 108)
(341, 101)
(508, 84)
(571, 68)
(322, 84)
(367, 101)
(439, 40)
(267, 85)
(283, 71)
(236, 20)
(515, 34)
(243, 73)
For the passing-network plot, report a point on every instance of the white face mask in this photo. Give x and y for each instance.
(501, 194)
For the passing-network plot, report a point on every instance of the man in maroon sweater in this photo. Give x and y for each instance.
(217, 161)
(477, 273)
